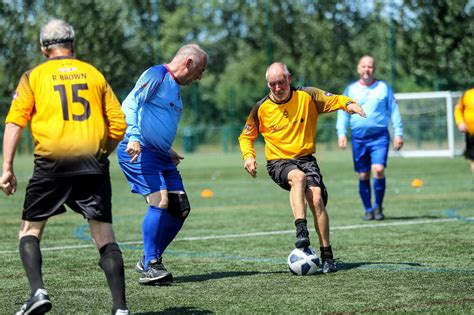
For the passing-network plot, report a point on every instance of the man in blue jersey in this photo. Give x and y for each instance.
(370, 136)
(153, 110)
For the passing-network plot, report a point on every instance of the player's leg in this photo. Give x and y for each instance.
(378, 155)
(321, 224)
(41, 193)
(145, 178)
(111, 262)
(361, 159)
(295, 183)
(469, 155)
(30, 254)
(91, 196)
(170, 211)
(317, 198)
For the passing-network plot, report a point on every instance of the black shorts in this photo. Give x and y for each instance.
(469, 152)
(89, 195)
(279, 169)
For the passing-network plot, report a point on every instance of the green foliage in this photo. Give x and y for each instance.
(419, 45)
(439, 42)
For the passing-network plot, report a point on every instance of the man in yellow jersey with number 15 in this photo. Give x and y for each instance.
(76, 122)
(286, 118)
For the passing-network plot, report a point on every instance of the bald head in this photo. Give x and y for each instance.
(278, 81)
(277, 69)
(189, 63)
(366, 69)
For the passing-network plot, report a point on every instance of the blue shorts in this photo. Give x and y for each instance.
(370, 151)
(151, 172)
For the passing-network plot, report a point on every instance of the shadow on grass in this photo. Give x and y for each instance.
(220, 275)
(348, 266)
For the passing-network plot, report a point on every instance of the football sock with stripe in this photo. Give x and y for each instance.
(365, 194)
(30, 254)
(379, 191)
(111, 262)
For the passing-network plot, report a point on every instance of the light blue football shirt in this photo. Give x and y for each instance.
(380, 105)
(153, 109)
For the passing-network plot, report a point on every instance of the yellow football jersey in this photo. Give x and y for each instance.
(70, 106)
(289, 129)
(464, 111)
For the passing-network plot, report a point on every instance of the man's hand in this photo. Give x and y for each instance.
(342, 142)
(397, 143)
(175, 157)
(8, 183)
(134, 150)
(354, 108)
(462, 127)
(250, 165)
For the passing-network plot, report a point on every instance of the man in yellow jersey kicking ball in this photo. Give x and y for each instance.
(286, 118)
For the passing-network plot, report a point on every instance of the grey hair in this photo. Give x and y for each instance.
(193, 51)
(56, 34)
(286, 72)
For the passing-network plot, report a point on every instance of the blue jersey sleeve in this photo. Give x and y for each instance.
(145, 87)
(394, 111)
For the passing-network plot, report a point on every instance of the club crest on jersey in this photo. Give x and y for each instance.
(328, 94)
(286, 114)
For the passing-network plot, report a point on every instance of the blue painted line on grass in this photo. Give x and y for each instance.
(453, 213)
(82, 233)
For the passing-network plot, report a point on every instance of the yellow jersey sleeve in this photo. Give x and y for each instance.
(326, 102)
(71, 108)
(249, 134)
(464, 111)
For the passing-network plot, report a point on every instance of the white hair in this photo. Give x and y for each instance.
(56, 34)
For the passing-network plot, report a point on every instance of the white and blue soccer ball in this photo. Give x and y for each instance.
(303, 261)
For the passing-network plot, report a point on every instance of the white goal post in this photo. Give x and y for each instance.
(428, 121)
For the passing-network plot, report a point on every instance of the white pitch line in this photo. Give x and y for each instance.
(210, 237)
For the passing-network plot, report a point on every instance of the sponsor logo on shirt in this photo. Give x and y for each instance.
(328, 94)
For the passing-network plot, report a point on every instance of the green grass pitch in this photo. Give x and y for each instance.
(231, 255)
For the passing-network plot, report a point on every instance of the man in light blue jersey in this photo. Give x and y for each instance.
(153, 110)
(370, 137)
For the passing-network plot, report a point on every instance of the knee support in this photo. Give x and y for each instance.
(178, 205)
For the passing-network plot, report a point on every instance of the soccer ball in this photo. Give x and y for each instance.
(303, 261)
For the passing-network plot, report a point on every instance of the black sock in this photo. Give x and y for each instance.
(30, 254)
(111, 261)
(298, 222)
(326, 252)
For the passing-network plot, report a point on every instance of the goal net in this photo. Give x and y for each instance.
(428, 124)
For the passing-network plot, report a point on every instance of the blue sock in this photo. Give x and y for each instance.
(169, 228)
(151, 231)
(379, 191)
(365, 194)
